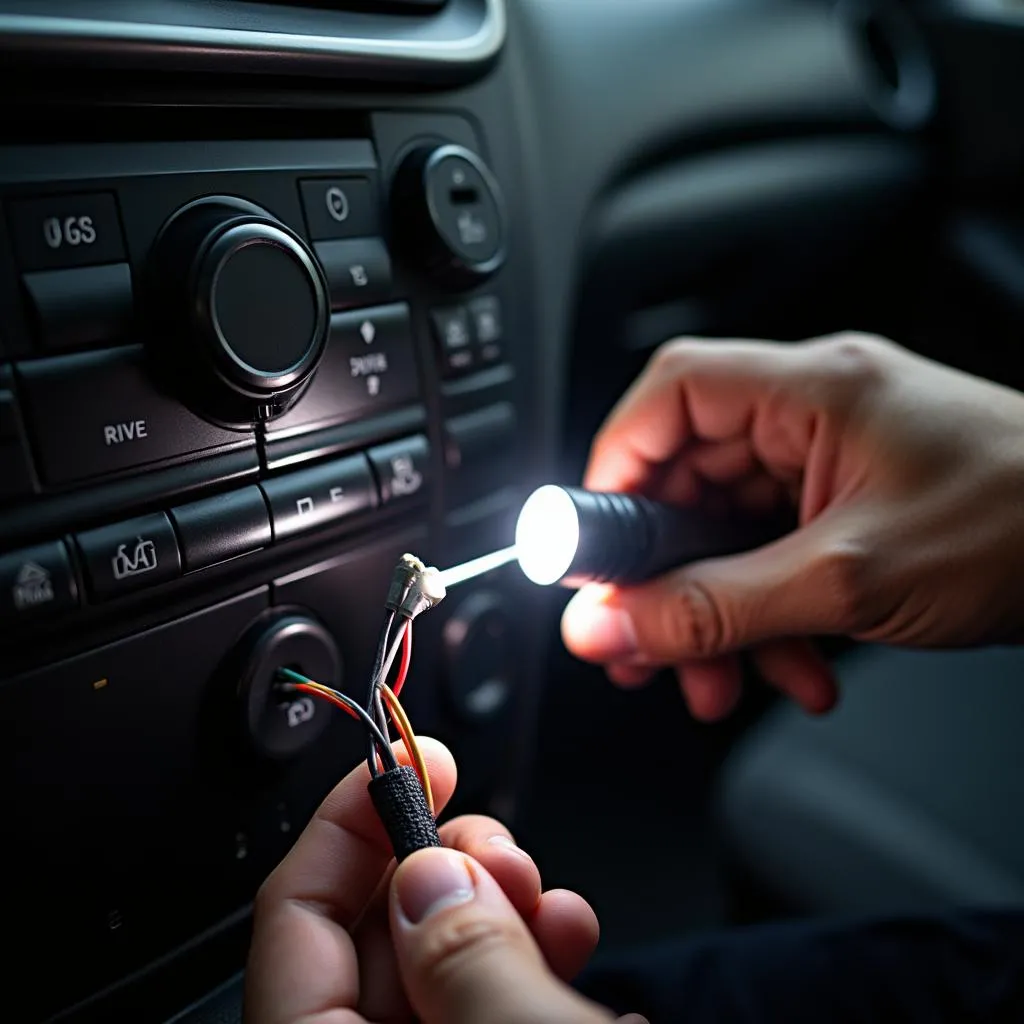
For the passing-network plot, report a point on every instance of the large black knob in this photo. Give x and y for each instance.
(449, 215)
(238, 309)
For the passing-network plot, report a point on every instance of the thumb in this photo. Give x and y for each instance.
(809, 583)
(465, 954)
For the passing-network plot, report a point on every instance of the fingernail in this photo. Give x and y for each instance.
(431, 880)
(509, 844)
(599, 630)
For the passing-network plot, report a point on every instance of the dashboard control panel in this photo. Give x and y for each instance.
(238, 379)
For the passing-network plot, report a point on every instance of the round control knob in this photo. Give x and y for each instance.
(450, 214)
(282, 725)
(239, 309)
(482, 655)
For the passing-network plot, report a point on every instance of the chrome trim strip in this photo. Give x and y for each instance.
(480, 47)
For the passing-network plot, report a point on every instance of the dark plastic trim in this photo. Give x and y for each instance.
(461, 40)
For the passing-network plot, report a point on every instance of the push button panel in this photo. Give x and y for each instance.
(98, 412)
(128, 556)
(53, 232)
(15, 470)
(80, 306)
(318, 497)
(358, 271)
(403, 469)
(340, 207)
(36, 582)
(471, 336)
(369, 366)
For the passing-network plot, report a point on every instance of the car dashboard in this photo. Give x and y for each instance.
(290, 289)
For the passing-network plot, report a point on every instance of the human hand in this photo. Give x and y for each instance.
(455, 935)
(907, 477)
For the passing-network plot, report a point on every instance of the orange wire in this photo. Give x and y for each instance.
(317, 692)
(403, 736)
(403, 668)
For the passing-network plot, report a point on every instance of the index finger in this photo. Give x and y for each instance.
(302, 960)
(691, 390)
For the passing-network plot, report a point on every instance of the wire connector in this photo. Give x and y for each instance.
(426, 591)
(408, 568)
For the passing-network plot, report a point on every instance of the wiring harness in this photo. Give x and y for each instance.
(401, 794)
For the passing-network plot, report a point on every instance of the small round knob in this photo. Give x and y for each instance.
(239, 309)
(282, 725)
(449, 212)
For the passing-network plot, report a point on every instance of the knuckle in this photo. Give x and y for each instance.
(672, 357)
(691, 622)
(847, 574)
(855, 362)
(458, 942)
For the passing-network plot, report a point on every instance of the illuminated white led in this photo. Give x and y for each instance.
(547, 535)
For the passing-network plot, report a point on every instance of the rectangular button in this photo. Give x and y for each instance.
(15, 474)
(402, 468)
(340, 207)
(488, 329)
(129, 556)
(358, 271)
(65, 231)
(15, 469)
(80, 306)
(320, 496)
(97, 412)
(483, 436)
(36, 582)
(216, 529)
(368, 367)
(454, 338)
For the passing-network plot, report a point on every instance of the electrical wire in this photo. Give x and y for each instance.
(374, 710)
(396, 646)
(404, 727)
(304, 684)
(374, 704)
(403, 668)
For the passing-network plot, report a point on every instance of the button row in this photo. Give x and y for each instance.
(469, 337)
(157, 548)
(78, 284)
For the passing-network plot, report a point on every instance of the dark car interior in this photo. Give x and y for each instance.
(479, 218)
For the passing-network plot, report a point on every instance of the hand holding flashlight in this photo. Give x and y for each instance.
(905, 476)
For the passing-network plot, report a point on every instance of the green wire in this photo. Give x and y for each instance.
(385, 747)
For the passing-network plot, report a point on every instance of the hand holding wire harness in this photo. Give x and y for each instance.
(455, 935)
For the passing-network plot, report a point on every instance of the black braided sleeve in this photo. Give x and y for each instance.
(398, 797)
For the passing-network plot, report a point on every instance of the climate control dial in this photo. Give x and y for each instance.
(239, 310)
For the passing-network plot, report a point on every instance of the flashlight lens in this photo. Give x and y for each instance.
(547, 535)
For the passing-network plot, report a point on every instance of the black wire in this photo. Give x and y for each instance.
(395, 646)
(381, 677)
(373, 696)
(375, 733)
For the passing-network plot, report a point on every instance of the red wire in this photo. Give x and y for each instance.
(403, 668)
(313, 692)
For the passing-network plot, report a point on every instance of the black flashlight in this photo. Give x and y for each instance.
(571, 536)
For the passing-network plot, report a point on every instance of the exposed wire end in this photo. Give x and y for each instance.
(408, 568)
(426, 591)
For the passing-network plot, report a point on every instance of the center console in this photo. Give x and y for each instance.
(240, 375)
